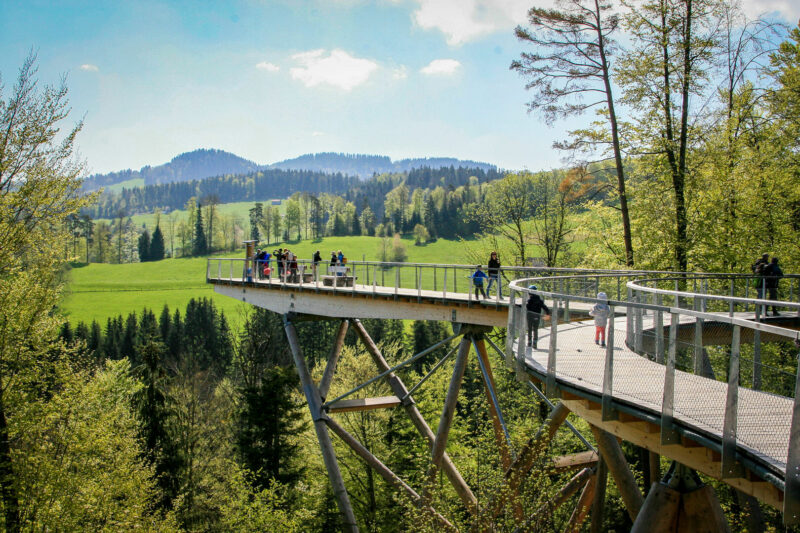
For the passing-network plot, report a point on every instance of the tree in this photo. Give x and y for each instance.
(510, 202)
(399, 254)
(211, 201)
(157, 245)
(199, 244)
(367, 221)
(39, 189)
(256, 218)
(572, 61)
(293, 218)
(144, 246)
(421, 234)
(673, 45)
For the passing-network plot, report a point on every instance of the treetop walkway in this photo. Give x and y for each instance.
(693, 370)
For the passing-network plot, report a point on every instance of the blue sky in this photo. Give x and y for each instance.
(274, 79)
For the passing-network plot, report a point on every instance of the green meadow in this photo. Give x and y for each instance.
(236, 209)
(99, 291)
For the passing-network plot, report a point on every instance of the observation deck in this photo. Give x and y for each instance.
(688, 371)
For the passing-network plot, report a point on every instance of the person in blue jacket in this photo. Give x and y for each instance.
(477, 280)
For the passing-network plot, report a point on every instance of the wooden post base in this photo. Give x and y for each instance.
(668, 510)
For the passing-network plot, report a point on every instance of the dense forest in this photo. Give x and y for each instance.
(366, 166)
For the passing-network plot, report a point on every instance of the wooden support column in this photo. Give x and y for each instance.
(659, 514)
(386, 473)
(400, 390)
(582, 508)
(618, 466)
(446, 420)
(499, 433)
(333, 359)
(527, 457)
(325, 444)
(599, 502)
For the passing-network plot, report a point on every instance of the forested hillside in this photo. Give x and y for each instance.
(367, 165)
(195, 165)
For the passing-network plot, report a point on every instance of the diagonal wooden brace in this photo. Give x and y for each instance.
(400, 390)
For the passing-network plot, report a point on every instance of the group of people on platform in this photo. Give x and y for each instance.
(285, 262)
(767, 276)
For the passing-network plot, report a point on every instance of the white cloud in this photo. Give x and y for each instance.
(789, 9)
(317, 133)
(464, 20)
(269, 67)
(441, 67)
(89, 67)
(337, 68)
(400, 73)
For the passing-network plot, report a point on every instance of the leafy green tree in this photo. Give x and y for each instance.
(39, 188)
(421, 235)
(157, 245)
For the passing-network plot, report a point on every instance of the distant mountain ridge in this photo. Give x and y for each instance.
(365, 166)
(206, 163)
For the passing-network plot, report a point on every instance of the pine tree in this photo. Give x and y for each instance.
(157, 245)
(199, 245)
(144, 246)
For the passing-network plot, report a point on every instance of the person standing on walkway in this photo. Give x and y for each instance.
(600, 312)
(494, 274)
(772, 276)
(535, 308)
(758, 269)
(315, 261)
(477, 281)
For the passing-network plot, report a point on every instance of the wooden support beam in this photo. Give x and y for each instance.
(574, 461)
(659, 514)
(449, 409)
(547, 508)
(702, 459)
(315, 406)
(364, 404)
(618, 466)
(400, 390)
(582, 508)
(386, 473)
(333, 359)
(701, 513)
(499, 435)
(599, 502)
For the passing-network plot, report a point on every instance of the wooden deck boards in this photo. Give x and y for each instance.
(763, 419)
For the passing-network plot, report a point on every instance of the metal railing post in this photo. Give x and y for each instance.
(566, 301)
(791, 493)
(638, 340)
(608, 412)
(629, 320)
(444, 285)
(396, 281)
(659, 355)
(729, 466)
(550, 384)
(509, 352)
(733, 293)
(698, 343)
(522, 337)
(757, 353)
(668, 435)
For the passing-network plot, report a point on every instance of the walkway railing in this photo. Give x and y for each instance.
(446, 280)
(706, 333)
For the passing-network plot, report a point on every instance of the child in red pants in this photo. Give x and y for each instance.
(600, 312)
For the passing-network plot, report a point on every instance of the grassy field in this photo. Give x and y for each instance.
(99, 291)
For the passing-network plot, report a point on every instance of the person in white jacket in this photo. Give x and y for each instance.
(600, 312)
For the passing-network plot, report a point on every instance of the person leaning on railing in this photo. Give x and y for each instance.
(494, 274)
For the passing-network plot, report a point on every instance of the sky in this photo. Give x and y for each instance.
(274, 79)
